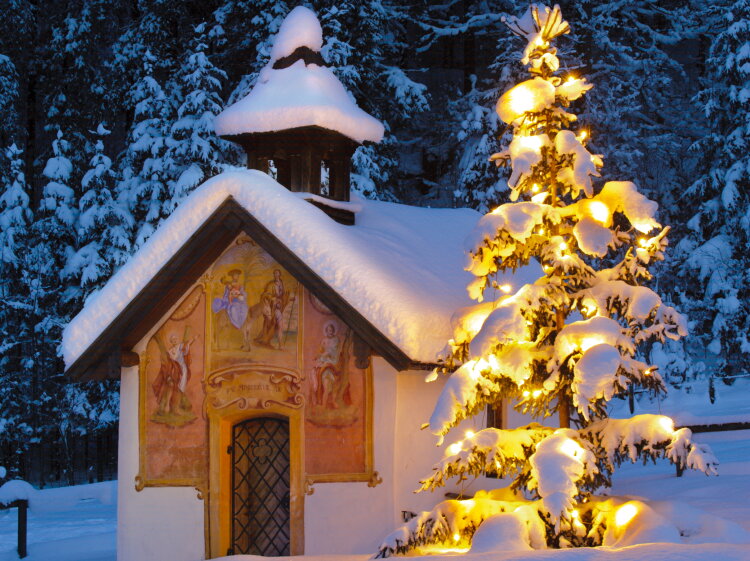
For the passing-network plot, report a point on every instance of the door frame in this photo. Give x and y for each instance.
(221, 423)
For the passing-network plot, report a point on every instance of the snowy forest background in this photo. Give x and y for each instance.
(106, 112)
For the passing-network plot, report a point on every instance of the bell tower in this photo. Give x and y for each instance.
(299, 121)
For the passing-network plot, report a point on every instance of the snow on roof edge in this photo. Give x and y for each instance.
(282, 212)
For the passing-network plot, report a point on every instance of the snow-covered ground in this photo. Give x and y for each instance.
(66, 524)
(86, 531)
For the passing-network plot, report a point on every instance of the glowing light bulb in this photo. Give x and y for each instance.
(625, 514)
(506, 288)
(536, 393)
(643, 242)
(540, 231)
(599, 211)
(521, 100)
(570, 79)
(533, 143)
(648, 371)
(454, 449)
(588, 342)
(563, 246)
(575, 514)
(667, 424)
(527, 393)
(535, 188)
(571, 448)
(470, 434)
(456, 537)
(582, 135)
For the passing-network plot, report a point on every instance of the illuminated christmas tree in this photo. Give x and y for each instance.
(566, 344)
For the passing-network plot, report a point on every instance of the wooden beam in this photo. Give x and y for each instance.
(362, 353)
(129, 359)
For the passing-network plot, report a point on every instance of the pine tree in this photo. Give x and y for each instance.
(8, 100)
(73, 85)
(715, 238)
(195, 152)
(643, 90)
(144, 183)
(366, 45)
(568, 343)
(17, 391)
(243, 50)
(462, 138)
(104, 225)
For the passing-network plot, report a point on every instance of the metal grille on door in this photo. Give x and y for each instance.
(260, 487)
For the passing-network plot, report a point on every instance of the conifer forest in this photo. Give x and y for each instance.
(106, 124)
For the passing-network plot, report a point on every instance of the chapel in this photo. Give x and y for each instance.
(273, 336)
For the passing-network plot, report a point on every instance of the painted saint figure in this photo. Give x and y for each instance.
(172, 404)
(274, 300)
(330, 375)
(234, 300)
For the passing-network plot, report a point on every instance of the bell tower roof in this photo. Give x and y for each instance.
(296, 89)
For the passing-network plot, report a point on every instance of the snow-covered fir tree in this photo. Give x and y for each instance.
(365, 46)
(74, 88)
(465, 135)
(716, 232)
(144, 168)
(104, 224)
(18, 390)
(194, 152)
(8, 100)
(567, 343)
(245, 49)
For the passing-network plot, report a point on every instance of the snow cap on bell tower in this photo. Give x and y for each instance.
(296, 89)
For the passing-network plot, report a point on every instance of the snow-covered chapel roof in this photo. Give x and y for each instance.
(400, 267)
(299, 95)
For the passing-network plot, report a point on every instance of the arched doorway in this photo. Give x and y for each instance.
(260, 490)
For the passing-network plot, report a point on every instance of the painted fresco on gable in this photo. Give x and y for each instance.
(254, 310)
(249, 337)
(338, 396)
(173, 439)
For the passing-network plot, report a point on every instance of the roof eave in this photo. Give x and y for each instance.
(111, 350)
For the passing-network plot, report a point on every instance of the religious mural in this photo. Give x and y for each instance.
(338, 396)
(248, 337)
(254, 309)
(254, 324)
(172, 423)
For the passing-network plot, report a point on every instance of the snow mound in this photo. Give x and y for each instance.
(57, 499)
(401, 267)
(301, 28)
(505, 531)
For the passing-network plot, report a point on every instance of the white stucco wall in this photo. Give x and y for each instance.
(157, 523)
(340, 518)
(352, 517)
